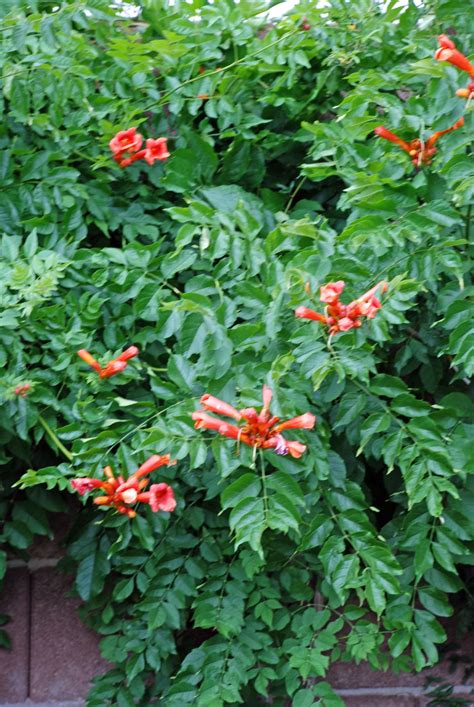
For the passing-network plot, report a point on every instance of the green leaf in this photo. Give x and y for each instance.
(388, 386)
(123, 589)
(407, 405)
(435, 601)
(373, 425)
(91, 572)
(286, 485)
(247, 521)
(245, 487)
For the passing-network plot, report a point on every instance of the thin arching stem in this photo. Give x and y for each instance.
(54, 438)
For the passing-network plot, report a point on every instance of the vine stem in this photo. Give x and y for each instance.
(149, 420)
(294, 194)
(55, 439)
(264, 483)
(221, 70)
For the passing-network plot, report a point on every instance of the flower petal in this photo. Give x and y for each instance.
(162, 498)
(209, 402)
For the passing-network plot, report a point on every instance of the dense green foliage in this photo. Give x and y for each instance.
(266, 572)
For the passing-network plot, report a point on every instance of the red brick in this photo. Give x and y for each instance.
(346, 676)
(64, 653)
(380, 701)
(44, 547)
(15, 601)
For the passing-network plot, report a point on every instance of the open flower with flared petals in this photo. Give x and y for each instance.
(343, 317)
(259, 430)
(123, 494)
(446, 43)
(447, 52)
(116, 365)
(156, 150)
(330, 293)
(126, 141)
(160, 497)
(421, 152)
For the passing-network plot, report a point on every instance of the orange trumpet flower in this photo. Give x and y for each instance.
(116, 365)
(262, 430)
(447, 52)
(123, 494)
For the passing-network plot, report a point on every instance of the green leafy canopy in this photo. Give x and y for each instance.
(270, 569)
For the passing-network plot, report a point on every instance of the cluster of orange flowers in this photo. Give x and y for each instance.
(342, 317)
(129, 142)
(421, 152)
(260, 430)
(123, 494)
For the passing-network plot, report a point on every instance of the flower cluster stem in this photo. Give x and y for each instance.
(54, 438)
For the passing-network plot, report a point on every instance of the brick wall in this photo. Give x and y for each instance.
(54, 656)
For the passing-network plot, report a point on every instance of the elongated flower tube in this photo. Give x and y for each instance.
(122, 495)
(90, 360)
(260, 430)
(306, 313)
(267, 395)
(391, 137)
(343, 317)
(129, 353)
(381, 286)
(150, 465)
(209, 402)
(85, 485)
(112, 368)
(204, 421)
(435, 137)
(302, 422)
